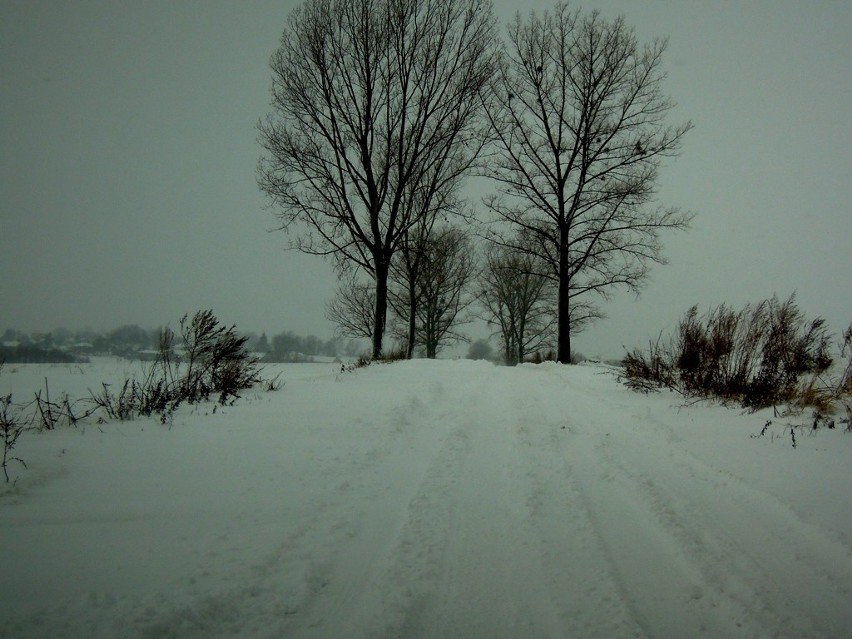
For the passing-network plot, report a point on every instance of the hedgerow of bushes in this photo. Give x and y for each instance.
(763, 355)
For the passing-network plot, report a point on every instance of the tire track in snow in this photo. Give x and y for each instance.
(658, 582)
(574, 558)
(323, 573)
(706, 565)
(490, 548)
(467, 510)
(427, 573)
(341, 591)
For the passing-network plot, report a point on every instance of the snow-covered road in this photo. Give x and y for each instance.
(432, 499)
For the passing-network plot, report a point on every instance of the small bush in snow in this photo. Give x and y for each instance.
(215, 362)
(273, 384)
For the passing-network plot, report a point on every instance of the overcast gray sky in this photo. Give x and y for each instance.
(128, 152)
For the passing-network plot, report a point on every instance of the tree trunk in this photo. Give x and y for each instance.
(382, 268)
(412, 318)
(521, 351)
(430, 340)
(432, 347)
(563, 351)
(563, 355)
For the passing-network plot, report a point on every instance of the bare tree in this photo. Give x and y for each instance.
(519, 300)
(376, 109)
(446, 270)
(353, 307)
(404, 295)
(415, 249)
(579, 114)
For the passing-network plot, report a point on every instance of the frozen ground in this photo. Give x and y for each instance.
(427, 499)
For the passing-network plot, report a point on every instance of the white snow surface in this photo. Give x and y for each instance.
(426, 499)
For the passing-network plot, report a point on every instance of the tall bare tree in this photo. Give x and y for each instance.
(445, 274)
(519, 300)
(376, 108)
(579, 113)
(413, 251)
(444, 283)
(404, 295)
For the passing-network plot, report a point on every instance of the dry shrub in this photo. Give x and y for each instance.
(395, 354)
(11, 427)
(214, 362)
(755, 356)
(844, 382)
(647, 372)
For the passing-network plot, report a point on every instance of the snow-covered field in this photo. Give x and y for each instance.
(425, 499)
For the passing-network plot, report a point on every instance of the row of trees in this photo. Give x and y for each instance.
(65, 345)
(455, 282)
(381, 109)
(288, 346)
(131, 340)
(427, 303)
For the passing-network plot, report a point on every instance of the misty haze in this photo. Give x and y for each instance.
(425, 318)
